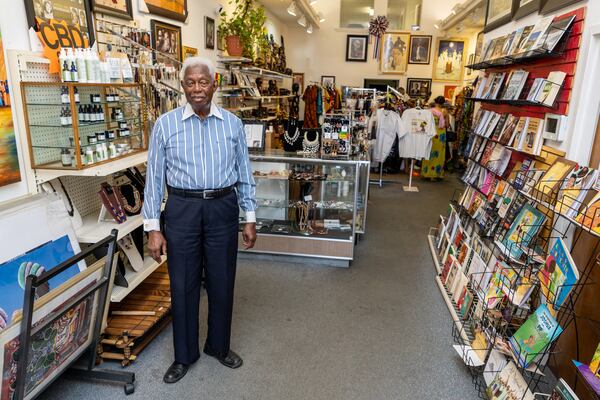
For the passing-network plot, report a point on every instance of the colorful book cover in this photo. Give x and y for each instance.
(589, 217)
(522, 230)
(509, 384)
(506, 202)
(574, 189)
(558, 276)
(553, 179)
(549, 89)
(520, 38)
(494, 365)
(562, 391)
(592, 380)
(494, 294)
(507, 130)
(480, 344)
(464, 302)
(556, 31)
(532, 136)
(595, 363)
(534, 336)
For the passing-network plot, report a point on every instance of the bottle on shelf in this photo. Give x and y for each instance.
(76, 94)
(80, 114)
(110, 98)
(89, 156)
(112, 150)
(69, 116)
(100, 113)
(64, 95)
(74, 73)
(66, 74)
(62, 60)
(81, 68)
(65, 157)
(63, 117)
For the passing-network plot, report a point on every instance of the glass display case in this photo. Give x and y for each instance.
(309, 206)
(75, 126)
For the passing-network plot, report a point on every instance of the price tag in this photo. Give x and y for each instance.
(331, 223)
(335, 135)
(326, 135)
(308, 198)
(344, 128)
(343, 136)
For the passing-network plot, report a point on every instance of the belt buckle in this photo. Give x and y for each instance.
(204, 194)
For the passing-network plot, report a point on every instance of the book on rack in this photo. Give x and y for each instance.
(499, 160)
(459, 283)
(465, 301)
(548, 186)
(517, 133)
(495, 85)
(494, 294)
(517, 288)
(589, 216)
(595, 363)
(535, 88)
(592, 380)
(497, 52)
(514, 85)
(494, 365)
(535, 38)
(499, 127)
(548, 91)
(562, 391)
(491, 125)
(531, 140)
(487, 153)
(535, 335)
(558, 276)
(574, 190)
(507, 130)
(507, 201)
(509, 384)
(507, 45)
(520, 38)
(523, 230)
(479, 87)
(556, 31)
(480, 343)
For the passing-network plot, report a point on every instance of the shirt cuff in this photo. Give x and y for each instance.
(151, 225)
(251, 217)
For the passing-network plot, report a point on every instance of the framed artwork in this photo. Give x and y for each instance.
(449, 91)
(220, 40)
(174, 9)
(553, 5)
(357, 47)
(255, 134)
(526, 7)
(9, 159)
(327, 80)
(419, 49)
(166, 38)
(417, 87)
(72, 12)
(116, 8)
(189, 52)
(499, 12)
(478, 49)
(394, 53)
(209, 33)
(298, 78)
(449, 61)
(380, 84)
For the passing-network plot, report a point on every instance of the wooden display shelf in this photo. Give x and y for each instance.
(126, 336)
(135, 279)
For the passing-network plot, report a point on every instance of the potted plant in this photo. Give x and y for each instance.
(243, 29)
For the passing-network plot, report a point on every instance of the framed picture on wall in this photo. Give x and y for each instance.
(166, 38)
(298, 78)
(189, 52)
(220, 40)
(526, 7)
(115, 8)
(394, 53)
(549, 6)
(419, 49)
(417, 87)
(449, 62)
(357, 47)
(478, 49)
(72, 12)
(498, 13)
(209, 33)
(174, 9)
(327, 80)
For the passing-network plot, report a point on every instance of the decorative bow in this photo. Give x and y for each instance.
(377, 27)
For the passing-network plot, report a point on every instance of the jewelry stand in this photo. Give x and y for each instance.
(410, 187)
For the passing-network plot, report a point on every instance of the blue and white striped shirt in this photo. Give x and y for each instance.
(192, 153)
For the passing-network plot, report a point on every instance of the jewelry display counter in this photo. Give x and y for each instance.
(309, 206)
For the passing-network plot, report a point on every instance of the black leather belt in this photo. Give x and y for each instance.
(208, 194)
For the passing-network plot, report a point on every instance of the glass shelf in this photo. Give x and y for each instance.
(83, 103)
(84, 124)
(117, 139)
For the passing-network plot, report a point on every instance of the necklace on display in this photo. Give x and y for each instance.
(291, 140)
(310, 146)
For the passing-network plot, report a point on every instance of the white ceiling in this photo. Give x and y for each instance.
(279, 9)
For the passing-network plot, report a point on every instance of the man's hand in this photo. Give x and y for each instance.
(249, 235)
(157, 245)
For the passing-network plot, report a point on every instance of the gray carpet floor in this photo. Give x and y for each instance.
(377, 330)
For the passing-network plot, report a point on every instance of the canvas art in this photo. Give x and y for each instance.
(449, 60)
(14, 272)
(419, 49)
(498, 10)
(189, 52)
(449, 91)
(357, 47)
(116, 8)
(74, 13)
(174, 9)
(209, 33)
(9, 160)
(327, 81)
(166, 38)
(394, 53)
(298, 78)
(418, 87)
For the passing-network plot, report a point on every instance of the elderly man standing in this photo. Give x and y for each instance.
(200, 151)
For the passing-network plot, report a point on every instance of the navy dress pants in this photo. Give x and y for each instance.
(201, 234)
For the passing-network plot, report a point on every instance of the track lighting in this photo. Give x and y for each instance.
(302, 21)
(371, 11)
(292, 9)
(313, 2)
(310, 29)
(321, 17)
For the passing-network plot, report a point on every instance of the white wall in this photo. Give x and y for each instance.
(323, 52)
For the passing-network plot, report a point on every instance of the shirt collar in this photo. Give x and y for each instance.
(188, 112)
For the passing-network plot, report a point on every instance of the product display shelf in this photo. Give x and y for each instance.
(134, 278)
(514, 103)
(93, 229)
(432, 248)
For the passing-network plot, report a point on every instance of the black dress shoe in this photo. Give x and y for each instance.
(175, 372)
(231, 360)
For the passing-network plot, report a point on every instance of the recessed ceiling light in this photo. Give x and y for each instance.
(292, 9)
(302, 21)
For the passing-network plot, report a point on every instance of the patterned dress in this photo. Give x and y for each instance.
(434, 167)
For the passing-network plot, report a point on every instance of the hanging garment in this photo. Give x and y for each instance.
(389, 126)
(434, 166)
(421, 128)
(310, 107)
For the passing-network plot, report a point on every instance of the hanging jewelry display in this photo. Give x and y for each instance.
(310, 146)
(291, 140)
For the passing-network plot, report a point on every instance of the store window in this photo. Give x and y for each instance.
(356, 13)
(403, 14)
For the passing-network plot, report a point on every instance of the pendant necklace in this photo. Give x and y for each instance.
(310, 146)
(291, 140)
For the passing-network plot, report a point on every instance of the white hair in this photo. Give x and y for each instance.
(198, 62)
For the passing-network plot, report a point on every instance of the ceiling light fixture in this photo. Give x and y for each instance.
(371, 11)
(292, 9)
(310, 29)
(302, 21)
(321, 17)
(437, 25)
(313, 2)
